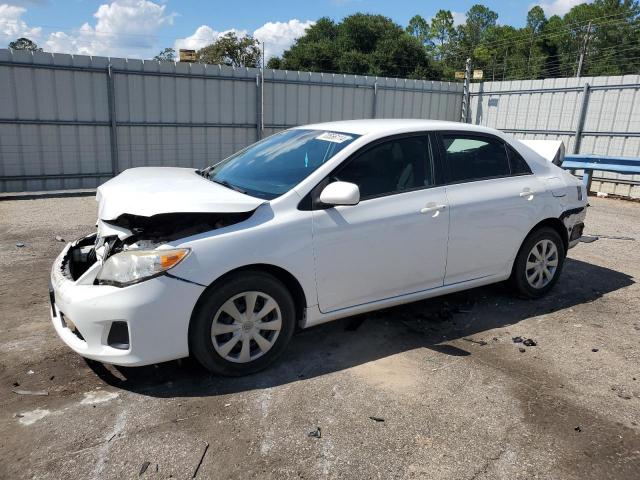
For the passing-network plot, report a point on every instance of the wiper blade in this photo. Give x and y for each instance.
(228, 185)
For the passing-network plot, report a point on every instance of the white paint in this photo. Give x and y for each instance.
(29, 418)
(382, 252)
(91, 398)
(549, 149)
(136, 191)
(340, 193)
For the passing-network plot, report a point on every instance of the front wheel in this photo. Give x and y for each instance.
(539, 263)
(243, 324)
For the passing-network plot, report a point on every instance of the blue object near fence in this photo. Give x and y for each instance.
(589, 163)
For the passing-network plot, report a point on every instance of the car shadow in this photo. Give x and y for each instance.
(349, 342)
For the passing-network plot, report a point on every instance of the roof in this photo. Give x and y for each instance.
(392, 125)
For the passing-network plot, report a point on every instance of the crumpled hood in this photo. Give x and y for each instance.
(148, 191)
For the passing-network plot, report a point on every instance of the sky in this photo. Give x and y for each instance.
(141, 28)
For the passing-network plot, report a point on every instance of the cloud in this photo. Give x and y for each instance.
(203, 36)
(12, 26)
(277, 36)
(122, 28)
(459, 18)
(558, 7)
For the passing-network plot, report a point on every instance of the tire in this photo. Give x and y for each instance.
(268, 295)
(534, 282)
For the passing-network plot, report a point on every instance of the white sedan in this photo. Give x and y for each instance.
(309, 225)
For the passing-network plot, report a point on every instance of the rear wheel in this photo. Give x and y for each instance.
(243, 324)
(539, 263)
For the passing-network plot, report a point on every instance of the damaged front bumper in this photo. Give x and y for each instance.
(141, 324)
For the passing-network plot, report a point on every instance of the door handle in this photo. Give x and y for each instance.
(432, 207)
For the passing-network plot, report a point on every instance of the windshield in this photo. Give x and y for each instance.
(276, 164)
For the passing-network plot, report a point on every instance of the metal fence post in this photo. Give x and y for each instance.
(375, 100)
(587, 176)
(464, 114)
(111, 93)
(581, 118)
(259, 106)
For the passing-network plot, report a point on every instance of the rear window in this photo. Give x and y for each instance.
(475, 158)
(518, 164)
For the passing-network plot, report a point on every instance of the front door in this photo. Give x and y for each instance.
(394, 242)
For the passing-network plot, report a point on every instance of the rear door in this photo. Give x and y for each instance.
(392, 243)
(494, 201)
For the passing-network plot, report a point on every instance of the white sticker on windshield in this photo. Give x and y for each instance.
(333, 137)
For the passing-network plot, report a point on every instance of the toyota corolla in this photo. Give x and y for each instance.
(308, 225)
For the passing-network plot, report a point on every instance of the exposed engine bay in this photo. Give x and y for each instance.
(129, 232)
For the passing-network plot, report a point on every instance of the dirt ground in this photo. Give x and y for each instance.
(445, 405)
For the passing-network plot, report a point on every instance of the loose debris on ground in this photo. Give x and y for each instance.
(41, 393)
(527, 342)
(143, 468)
(407, 360)
(482, 343)
(204, 452)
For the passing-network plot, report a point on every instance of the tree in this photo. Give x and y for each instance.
(536, 19)
(166, 55)
(442, 32)
(442, 29)
(24, 43)
(274, 63)
(544, 47)
(613, 40)
(419, 28)
(229, 49)
(479, 20)
(360, 44)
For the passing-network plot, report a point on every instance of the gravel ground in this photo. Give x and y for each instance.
(446, 405)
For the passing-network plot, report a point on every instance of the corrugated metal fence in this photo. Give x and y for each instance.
(599, 115)
(74, 121)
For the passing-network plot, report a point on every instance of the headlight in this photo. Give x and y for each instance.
(134, 266)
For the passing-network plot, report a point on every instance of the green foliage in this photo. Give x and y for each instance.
(24, 43)
(419, 28)
(232, 50)
(275, 63)
(536, 19)
(360, 44)
(435, 49)
(166, 55)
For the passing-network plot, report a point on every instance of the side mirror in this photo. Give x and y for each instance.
(340, 193)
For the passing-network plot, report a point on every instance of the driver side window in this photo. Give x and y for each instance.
(391, 167)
